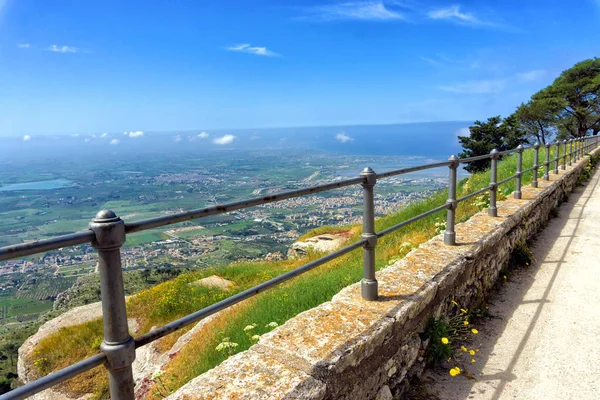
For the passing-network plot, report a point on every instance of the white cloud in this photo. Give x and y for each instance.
(203, 135)
(136, 134)
(342, 137)
(62, 49)
(23, 45)
(246, 48)
(104, 135)
(476, 87)
(26, 138)
(115, 141)
(531, 75)
(356, 10)
(177, 138)
(225, 139)
(86, 140)
(453, 13)
(75, 135)
(430, 60)
(254, 137)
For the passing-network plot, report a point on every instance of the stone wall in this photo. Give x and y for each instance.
(349, 348)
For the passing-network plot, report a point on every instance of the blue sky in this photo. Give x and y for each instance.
(111, 66)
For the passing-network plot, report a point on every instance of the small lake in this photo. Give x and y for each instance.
(37, 185)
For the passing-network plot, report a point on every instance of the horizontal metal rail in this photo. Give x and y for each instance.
(503, 181)
(40, 246)
(246, 294)
(55, 378)
(470, 195)
(410, 221)
(107, 233)
(237, 205)
(403, 171)
(506, 152)
(471, 159)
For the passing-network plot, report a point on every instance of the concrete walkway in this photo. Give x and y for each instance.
(546, 342)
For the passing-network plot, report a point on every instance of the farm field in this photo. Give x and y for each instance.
(12, 307)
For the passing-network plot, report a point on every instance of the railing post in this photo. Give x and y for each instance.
(536, 167)
(519, 173)
(557, 157)
(547, 163)
(564, 157)
(493, 210)
(570, 152)
(450, 234)
(118, 345)
(369, 283)
(587, 144)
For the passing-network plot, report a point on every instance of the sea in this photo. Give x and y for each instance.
(435, 140)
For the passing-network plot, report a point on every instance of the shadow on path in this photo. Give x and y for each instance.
(559, 234)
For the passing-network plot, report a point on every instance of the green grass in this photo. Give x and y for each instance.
(145, 237)
(11, 307)
(176, 298)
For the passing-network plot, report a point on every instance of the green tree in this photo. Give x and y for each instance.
(538, 120)
(485, 136)
(576, 96)
(10, 349)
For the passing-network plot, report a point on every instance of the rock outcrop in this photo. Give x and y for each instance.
(321, 243)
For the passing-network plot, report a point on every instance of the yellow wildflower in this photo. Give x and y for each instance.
(463, 348)
(475, 331)
(504, 277)
(472, 360)
(454, 371)
(472, 352)
(462, 310)
(445, 340)
(466, 322)
(455, 303)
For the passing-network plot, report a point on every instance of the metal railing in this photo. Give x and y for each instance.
(107, 233)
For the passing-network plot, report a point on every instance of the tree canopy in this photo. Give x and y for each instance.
(573, 99)
(495, 133)
(568, 108)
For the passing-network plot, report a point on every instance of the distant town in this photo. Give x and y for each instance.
(59, 200)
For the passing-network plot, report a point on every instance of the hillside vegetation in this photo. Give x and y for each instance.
(176, 298)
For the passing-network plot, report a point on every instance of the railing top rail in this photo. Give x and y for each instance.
(26, 249)
(55, 378)
(476, 158)
(403, 171)
(223, 208)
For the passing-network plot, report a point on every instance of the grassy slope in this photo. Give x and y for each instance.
(176, 298)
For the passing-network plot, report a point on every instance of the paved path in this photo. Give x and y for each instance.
(546, 345)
